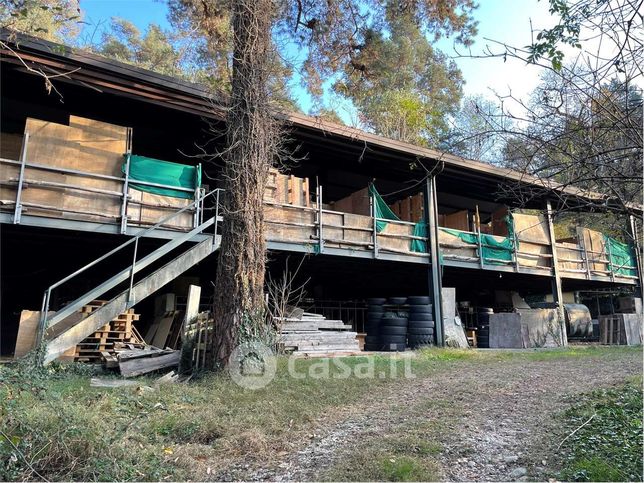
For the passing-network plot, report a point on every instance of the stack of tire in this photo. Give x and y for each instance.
(420, 331)
(483, 327)
(393, 326)
(375, 309)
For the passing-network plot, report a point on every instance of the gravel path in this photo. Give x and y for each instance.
(496, 417)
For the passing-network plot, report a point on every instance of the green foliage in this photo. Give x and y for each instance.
(403, 87)
(584, 134)
(155, 49)
(609, 447)
(56, 20)
(565, 32)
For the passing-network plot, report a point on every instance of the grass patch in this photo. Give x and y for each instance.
(609, 446)
(54, 425)
(59, 427)
(407, 456)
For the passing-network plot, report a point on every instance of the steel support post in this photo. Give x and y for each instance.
(557, 293)
(638, 258)
(435, 272)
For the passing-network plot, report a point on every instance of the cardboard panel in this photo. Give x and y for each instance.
(451, 245)
(594, 243)
(531, 228)
(458, 221)
(99, 149)
(283, 232)
(564, 254)
(398, 244)
(499, 225)
(10, 145)
(357, 203)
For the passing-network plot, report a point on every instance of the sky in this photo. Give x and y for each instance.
(499, 20)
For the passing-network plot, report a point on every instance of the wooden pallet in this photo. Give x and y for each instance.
(115, 336)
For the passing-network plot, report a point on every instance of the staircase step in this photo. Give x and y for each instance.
(59, 341)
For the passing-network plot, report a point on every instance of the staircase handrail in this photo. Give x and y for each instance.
(135, 240)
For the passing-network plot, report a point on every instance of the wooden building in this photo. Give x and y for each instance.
(81, 176)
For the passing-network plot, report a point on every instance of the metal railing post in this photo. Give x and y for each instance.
(132, 271)
(480, 243)
(195, 216)
(320, 239)
(125, 195)
(609, 265)
(23, 159)
(42, 326)
(516, 250)
(375, 226)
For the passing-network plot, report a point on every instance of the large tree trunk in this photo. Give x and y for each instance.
(251, 140)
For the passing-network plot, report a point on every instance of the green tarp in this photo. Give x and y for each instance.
(382, 210)
(419, 246)
(621, 256)
(495, 251)
(163, 172)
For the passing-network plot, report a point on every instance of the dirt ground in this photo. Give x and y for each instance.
(491, 420)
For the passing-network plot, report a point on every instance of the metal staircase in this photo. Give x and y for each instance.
(67, 327)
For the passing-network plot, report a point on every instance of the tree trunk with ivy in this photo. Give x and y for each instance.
(251, 146)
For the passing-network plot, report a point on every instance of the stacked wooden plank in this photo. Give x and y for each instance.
(119, 334)
(314, 334)
(287, 189)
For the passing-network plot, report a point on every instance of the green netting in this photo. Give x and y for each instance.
(494, 251)
(420, 246)
(622, 256)
(381, 209)
(163, 172)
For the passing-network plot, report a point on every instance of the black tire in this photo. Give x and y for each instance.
(421, 343)
(420, 331)
(376, 301)
(397, 300)
(420, 309)
(392, 330)
(419, 300)
(483, 333)
(425, 324)
(371, 324)
(374, 317)
(375, 309)
(393, 339)
(394, 347)
(372, 347)
(421, 317)
(417, 339)
(371, 339)
(394, 322)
